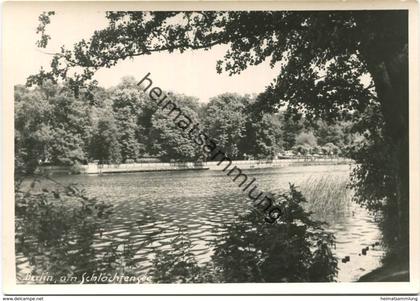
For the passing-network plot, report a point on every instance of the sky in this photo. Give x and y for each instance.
(192, 73)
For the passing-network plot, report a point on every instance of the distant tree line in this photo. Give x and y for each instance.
(122, 124)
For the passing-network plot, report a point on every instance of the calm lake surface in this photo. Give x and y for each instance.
(153, 206)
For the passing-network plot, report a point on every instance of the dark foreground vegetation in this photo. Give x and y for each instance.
(56, 230)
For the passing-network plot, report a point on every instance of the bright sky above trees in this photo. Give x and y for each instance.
(192, 73)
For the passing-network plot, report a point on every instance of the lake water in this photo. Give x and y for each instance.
(152, 206)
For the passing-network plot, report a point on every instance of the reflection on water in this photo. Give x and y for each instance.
(354, 231)
(151, 207)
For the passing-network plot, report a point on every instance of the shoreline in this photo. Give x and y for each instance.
(94, 168)
(388, 272)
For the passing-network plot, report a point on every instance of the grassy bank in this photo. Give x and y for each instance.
(389, 272)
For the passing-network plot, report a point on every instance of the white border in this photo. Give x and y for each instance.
(9, 60)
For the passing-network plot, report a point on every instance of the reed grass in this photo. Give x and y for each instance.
(327, 196)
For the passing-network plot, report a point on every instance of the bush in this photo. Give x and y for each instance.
(55, 229)
(294, 249)
(76, 168)
(178, 264)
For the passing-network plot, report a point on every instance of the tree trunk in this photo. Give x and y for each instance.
(390, 76)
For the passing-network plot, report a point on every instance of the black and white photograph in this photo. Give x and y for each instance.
(210, 146)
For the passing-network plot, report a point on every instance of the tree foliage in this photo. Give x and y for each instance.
(225, 122)
(170, 142)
